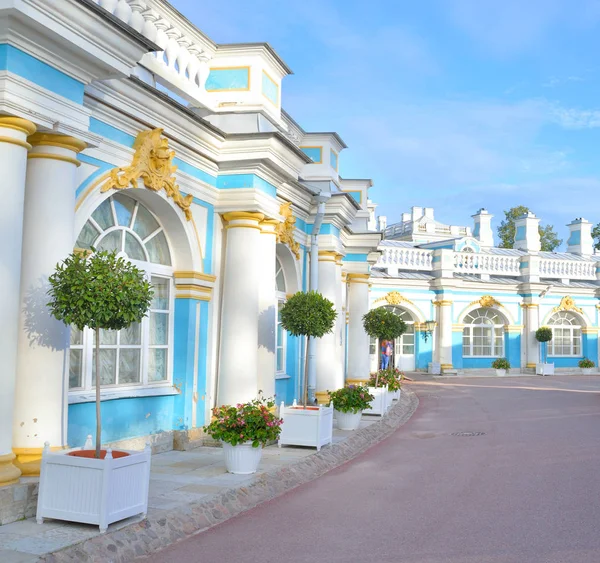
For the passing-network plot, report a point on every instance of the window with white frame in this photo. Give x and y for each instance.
(566, 334)
(139, 355)
(280, 333)
(405, 344)
(483, 334)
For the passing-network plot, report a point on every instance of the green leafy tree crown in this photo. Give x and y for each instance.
(352, 398)
(383, 324)
(99, 291)
(596, 236)
(507, 230)
(543, 334)
(308, 314)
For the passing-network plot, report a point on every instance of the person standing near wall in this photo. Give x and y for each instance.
(386, 353)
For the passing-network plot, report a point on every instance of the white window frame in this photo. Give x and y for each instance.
(574, 331)
(281, 299)
(467, 334)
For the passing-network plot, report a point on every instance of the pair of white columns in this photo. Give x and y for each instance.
(249, 310)
(36, 224)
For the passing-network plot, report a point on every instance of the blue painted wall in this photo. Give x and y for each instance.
(314, 153)
(590, 347)
(458, 362)
(423, 351)
(228, 79)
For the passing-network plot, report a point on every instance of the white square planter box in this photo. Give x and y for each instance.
(93, 491)
(379, 405)
(544, 369)
(306, 427)
(396, 395)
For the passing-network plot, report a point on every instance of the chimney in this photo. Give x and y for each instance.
(483, 228)
(580, 237)
(417, 213)
(382, 221)
(405, 217)
(527, 235)
(429, 213)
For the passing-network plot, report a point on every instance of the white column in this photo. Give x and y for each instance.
(267, 316)
(358, 340)
(532, 323)
(13, 160)
(43, 350)
(330, 372)
(238, 366)
(444, 321)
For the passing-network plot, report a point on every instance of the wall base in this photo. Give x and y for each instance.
(18, 501)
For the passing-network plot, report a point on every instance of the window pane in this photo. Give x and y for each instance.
(129, 366)
(159, 328)
(112, 241)
(157, 364)
(158, 249)
(104, 216)
(466, 351)
(108, 367)
(107, 337)
(87, 236)
(76, 336)
(131, 335)
(280, 281)
(280, 359)
(133, 248)
(75, 368)
(144, 224)
(124, 207)
(160, 300)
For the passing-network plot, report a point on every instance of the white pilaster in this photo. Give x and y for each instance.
(531, 314)
(13, 161)
(330, 369)
(358, 340)
(444, 322)
(238, 365)
(267, 316)
(43, 348)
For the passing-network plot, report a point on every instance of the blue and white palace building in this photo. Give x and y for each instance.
(124, 127)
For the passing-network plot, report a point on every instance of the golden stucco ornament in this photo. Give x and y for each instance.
(567, 303)
(285, 230)
(394, 298)
(487, 301)
(153, 164)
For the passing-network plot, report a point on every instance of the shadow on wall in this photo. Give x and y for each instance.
(266, 329)
(41, 327)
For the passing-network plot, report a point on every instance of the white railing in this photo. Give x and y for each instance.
(406, 258)
(567, 269)
(470, 263)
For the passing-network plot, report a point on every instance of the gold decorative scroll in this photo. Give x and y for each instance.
(153, 164)
(394, 298)
(285, 230)
(487, 301)
(567, 303)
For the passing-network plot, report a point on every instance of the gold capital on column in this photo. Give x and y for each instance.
(9, 474)
(269, 226)
(61, 141)
(18, 124)
(358, 278)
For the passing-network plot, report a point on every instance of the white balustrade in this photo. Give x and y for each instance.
(567, 269)
(492, 264)
(406, 258)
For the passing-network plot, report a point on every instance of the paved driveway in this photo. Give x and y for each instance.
(526, 490)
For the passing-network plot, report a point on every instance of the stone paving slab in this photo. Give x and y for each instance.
(191, 491)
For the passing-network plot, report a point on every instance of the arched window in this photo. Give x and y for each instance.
(483, 334)
(405, 345)
(281, 335)
(138, 355)
(566, 335)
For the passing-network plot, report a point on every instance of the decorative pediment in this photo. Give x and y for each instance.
(567, 303)
(394, 298)
(487, 301)
(153, 164)
(285, 230)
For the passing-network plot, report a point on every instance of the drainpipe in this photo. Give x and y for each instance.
(314, 286)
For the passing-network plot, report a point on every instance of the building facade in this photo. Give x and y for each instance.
(123, 127)
(467, 302)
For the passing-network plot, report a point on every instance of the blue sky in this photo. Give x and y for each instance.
(452, 104)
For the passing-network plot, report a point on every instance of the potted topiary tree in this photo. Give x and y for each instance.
(587, 366)
(501, 365)
(382, 324)
(307, 314)
(349, 403)
(544, 335)
(103, 292)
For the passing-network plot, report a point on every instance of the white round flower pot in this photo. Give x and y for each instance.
(500, 372)
(348, 420)
(242, 459)
(587, 371)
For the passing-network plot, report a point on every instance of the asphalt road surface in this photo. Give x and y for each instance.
(526, 490)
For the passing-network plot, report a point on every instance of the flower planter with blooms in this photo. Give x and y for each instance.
(501, 365)
(543, 335)
(587, 366)
(349, 403)
(244, 430)
(382, 398)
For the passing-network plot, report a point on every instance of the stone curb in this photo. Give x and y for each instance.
(161, 530)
